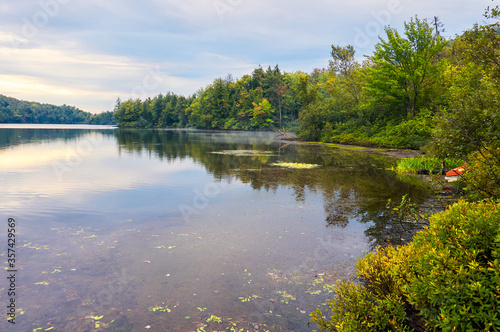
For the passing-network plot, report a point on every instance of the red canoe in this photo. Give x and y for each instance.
(454, 174)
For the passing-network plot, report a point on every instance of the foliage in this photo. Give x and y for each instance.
(415, 87)
(406, 70)
(412, 165)
(262, 115)
(456, 271)
(311, 122)
(104, 118)
(18, 111)
(482, 174)
(377, 306)
(389, 100)
(446, 279)
(407, 212)
(472, 121)
(261, 101)
(357, 309)
(408, 133)
(470, 126)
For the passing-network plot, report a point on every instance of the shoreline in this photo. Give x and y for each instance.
(392, 152)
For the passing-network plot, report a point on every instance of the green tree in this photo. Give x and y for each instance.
(262, 115)
(312, 121)
(406, 70)
(307, 92)
(346, 69)
(470, 126)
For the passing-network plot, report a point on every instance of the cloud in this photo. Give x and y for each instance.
(88, 53)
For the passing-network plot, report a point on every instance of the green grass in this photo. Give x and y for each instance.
(412, 165)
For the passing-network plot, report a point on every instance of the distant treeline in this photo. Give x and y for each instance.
(18, 111)
(397, 97)
(265, 99)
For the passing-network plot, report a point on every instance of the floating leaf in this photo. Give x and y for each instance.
(214, 318)
(286, 297)
(329, 288)
(42, 283)
(159, 308)
(249, 298)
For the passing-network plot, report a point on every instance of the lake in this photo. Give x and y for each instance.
(184, 230)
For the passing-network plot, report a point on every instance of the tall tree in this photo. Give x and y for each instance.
(406, 70)
(346, 71)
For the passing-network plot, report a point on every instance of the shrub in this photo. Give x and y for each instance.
(358, 309)
(456, 275)
(483, 174)
(447, 278)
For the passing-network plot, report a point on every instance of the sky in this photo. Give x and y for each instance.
(88, 53)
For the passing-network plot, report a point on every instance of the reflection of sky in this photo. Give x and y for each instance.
(65, 181)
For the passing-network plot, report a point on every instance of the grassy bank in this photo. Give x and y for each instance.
(412, 165)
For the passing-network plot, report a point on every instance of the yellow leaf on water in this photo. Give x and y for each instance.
(42, 283)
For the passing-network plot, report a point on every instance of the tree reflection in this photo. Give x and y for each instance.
(354, 185)
(15, 136)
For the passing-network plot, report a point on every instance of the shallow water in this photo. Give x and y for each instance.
(183, 230)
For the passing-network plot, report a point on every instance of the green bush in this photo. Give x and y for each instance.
(456, 275)
(408, 133)
(482, 176)
(447, 278)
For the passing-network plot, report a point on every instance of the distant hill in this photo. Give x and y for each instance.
(13, 110)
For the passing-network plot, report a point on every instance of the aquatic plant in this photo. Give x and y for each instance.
(160, 308)
(295, 165)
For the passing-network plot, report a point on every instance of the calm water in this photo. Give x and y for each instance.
(137, 230)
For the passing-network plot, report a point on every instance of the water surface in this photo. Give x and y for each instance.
(184, 230)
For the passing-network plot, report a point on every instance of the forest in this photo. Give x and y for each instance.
(264, 100)
(13, 110)
(397, 97)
